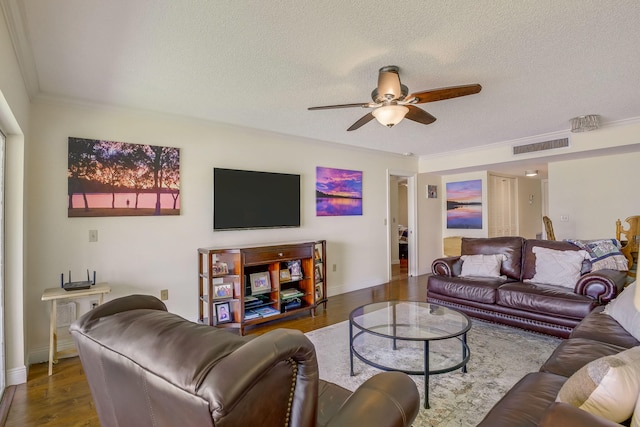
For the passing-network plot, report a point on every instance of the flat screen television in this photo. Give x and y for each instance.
(245, 199)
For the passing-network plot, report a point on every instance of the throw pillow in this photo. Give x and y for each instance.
(635, 421)
(624, 311)
(607, 387)
(561, 268)
(603, 254)
(481, 265)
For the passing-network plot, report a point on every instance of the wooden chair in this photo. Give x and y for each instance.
(630, 239)
(548, 227)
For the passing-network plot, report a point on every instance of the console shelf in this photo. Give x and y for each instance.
(287, 279)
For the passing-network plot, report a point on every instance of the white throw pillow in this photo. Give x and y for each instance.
(624, 311)
(635, 421)
(561, 268)
(607, 387)
(482, 265)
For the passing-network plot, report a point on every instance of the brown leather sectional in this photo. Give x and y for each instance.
(549, 309)
(531, 401)
(146, 366)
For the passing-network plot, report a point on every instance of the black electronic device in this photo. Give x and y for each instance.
(250, 199)
(78, 285)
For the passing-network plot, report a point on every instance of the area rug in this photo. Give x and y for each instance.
(500, 356)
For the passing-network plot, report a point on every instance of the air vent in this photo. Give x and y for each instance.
(541, 146)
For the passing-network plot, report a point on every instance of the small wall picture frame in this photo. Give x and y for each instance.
(432, 191)
(220, 268)
(285, 275)
(260, 282)
(223, 290)
(223, 312)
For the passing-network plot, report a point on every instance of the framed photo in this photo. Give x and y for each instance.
(223, 290)
(317, 255)
(260, 282)
(319, 294)
(295, 269)
(220, 268)
(432, 191)
(285, 275)
(223, 312)
(318, 274)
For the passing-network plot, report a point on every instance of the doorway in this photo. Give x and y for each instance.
(401, 225)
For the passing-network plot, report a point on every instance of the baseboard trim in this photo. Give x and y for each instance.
(17, 376)
(41, 355)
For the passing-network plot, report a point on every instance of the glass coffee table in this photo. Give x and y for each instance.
(416, 338)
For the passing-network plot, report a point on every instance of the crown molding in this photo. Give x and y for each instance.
(18, 32)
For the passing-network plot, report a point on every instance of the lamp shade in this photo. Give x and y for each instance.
(390, 115)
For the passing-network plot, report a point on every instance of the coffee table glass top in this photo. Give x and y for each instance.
(410, 320)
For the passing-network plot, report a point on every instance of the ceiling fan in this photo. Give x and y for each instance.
(391, 102)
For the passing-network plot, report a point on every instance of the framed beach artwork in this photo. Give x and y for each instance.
(338, 192)
(464, 204)
(108, 178)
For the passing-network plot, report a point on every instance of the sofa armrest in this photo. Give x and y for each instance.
(565, 415)
(386, 399)
(447, 266)
(602, 285)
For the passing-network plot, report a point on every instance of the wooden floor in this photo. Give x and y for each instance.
(64, 399)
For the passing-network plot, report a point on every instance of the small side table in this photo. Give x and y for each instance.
(55, 294)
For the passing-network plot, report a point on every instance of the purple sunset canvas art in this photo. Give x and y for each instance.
(464, 204)
(338, 192)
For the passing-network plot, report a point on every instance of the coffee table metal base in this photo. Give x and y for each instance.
(466, 354)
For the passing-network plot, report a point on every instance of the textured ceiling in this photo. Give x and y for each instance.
(260, 64)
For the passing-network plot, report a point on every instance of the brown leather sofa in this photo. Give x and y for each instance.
(549, 309)
(531, 401)
(148, 367)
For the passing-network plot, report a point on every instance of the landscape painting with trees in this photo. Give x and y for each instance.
(108, 178)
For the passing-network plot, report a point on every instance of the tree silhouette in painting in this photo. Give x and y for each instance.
(109, 175)
(82, 166)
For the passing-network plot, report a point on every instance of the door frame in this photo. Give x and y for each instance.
(412, 218)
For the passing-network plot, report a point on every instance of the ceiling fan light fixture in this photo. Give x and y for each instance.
(390, 115)
(585, 123)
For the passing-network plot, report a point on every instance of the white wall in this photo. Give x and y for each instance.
(529, 207)
(429, 222)
(146, 254)
(593, 193)
(14, 121)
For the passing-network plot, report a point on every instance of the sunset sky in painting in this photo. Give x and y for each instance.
(465, 191)
(339, 182)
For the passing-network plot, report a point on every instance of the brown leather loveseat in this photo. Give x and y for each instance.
(531, 402)
(510, 299)
(148, 367)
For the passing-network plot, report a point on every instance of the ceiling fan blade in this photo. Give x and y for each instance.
(445, 93)
(329, 107)
(363, 121)
(389, 83)
(419, 115)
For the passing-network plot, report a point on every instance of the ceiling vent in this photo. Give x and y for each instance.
(541, 146)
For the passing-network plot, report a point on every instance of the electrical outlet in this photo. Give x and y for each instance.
(334, 267)
(94, 303)
(93, 235)
(564, 218)
(164, 294)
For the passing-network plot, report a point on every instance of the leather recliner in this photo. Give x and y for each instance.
(148, 367)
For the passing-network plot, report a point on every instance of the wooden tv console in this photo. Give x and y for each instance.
(260, 283)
